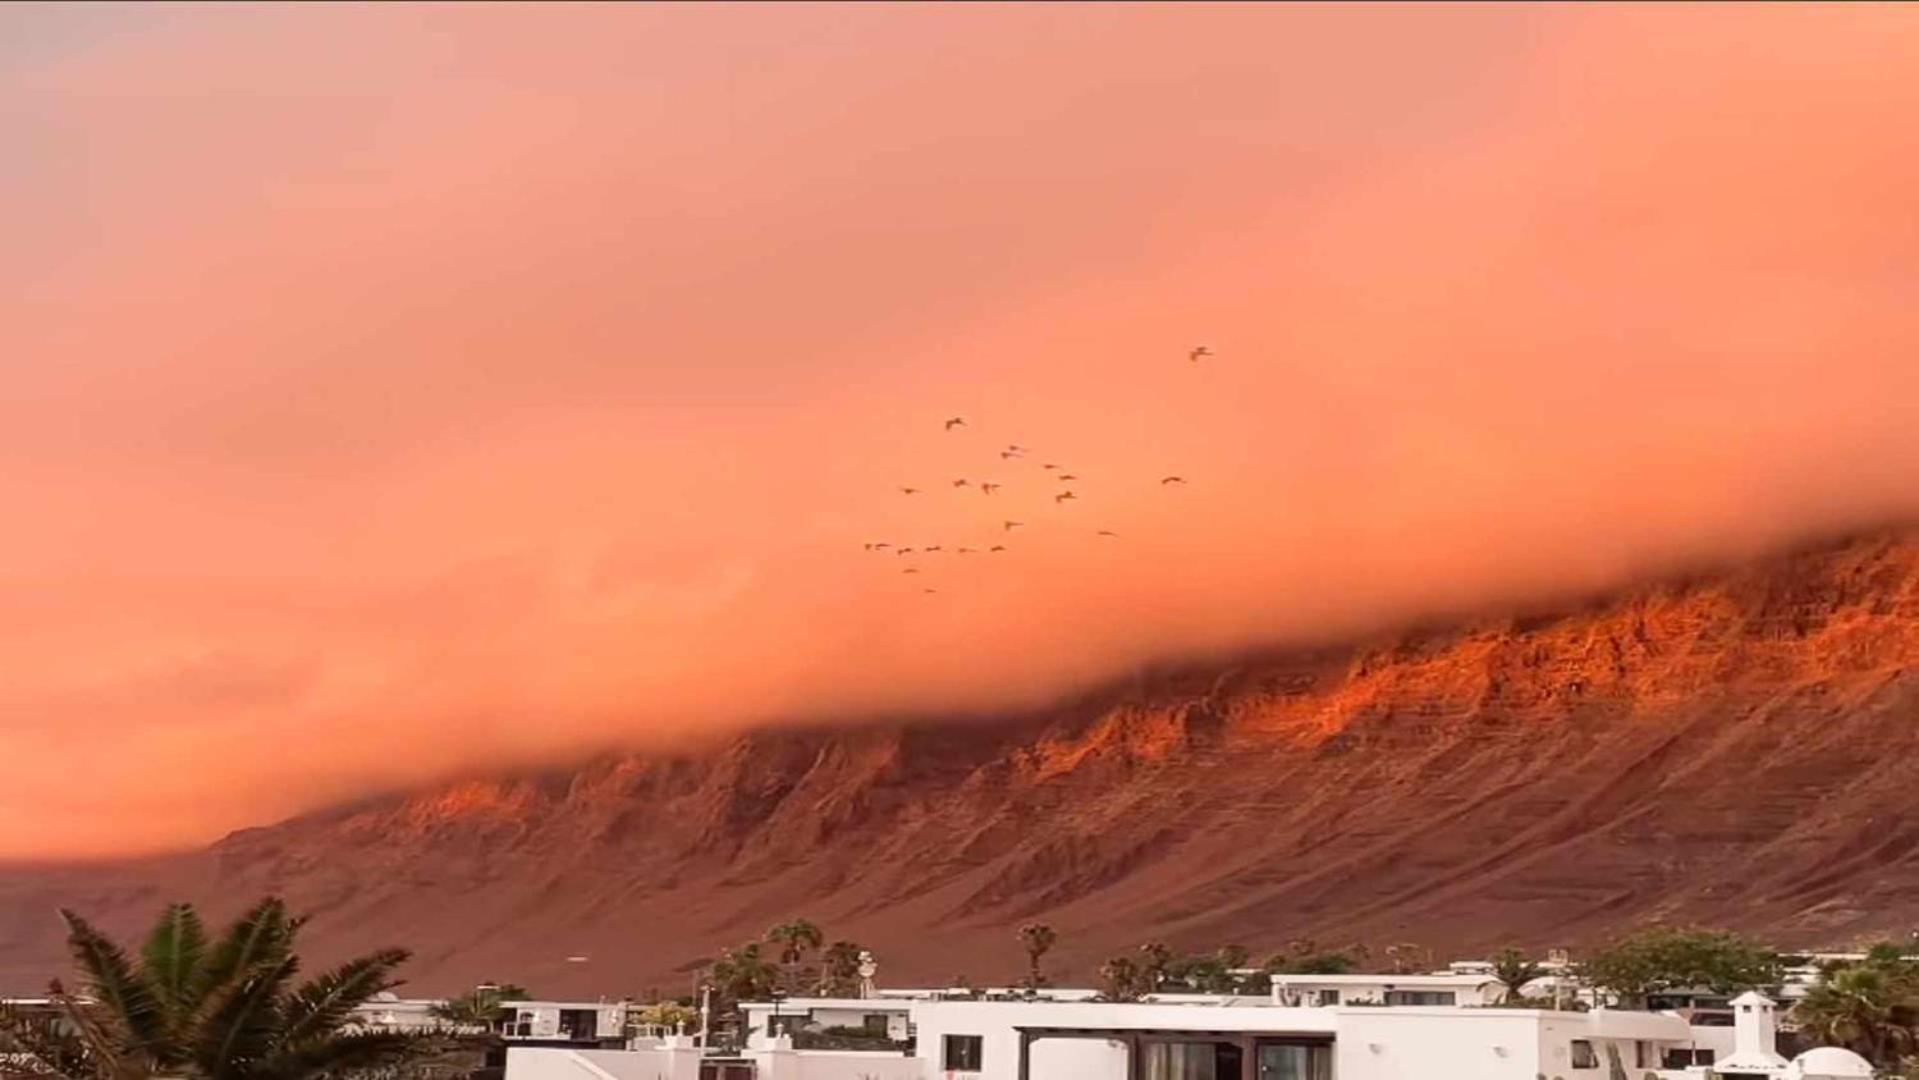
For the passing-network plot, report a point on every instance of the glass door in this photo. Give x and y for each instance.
(1278, 1061)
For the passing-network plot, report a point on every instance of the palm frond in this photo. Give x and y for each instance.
(324, 1004)
(259, 940)
(129, 1002)
(171, 959)
(351, 1054)
(239, 1028)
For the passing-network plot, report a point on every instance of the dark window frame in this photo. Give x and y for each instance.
(962, 1053)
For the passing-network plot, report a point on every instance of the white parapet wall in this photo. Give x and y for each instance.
(555, 1063)
(836, 1065)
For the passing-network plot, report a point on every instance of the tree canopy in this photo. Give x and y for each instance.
(1668, 958)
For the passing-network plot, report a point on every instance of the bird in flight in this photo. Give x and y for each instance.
(988, 488)
(1063, 496)
(965, 551)
(1109, 532)
(996, 547)
(929, 592)
(957, 421)
(1011, 525)
(904, 551)
(935, 547)
(961, 483)
(1064, 477)
(1015, 448)
(1004, 454)
(911, 570)
(1172, 480)
(909, 491)
(1197, 352)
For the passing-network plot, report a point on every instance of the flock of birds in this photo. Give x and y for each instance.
(1012, 452)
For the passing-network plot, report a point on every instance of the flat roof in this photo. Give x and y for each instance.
(1448, 979)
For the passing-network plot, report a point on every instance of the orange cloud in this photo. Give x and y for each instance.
(398, 391)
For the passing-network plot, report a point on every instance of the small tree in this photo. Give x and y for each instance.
(478, 1007)
(1666, 958)
(1037, 939)
(669, 1016)
(1120, 980)
(1153, 958)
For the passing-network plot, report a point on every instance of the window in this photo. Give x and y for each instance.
(1421, 997)
(1184, 1061)
(1329, 997)
(875, 1023)
(1583, 1056)
(962, 1053)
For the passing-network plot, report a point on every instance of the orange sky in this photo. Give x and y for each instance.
(394, 391)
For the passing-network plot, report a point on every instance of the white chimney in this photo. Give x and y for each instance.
(1754, 1036)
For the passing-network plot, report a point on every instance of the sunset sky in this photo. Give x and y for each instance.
(393, 392)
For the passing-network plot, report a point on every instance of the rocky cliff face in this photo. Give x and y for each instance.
(1737, 750)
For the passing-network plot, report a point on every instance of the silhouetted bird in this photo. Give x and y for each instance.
(1198, 351)
(1049, 465)
(1015, 448)
(935, 547)
(964, 551)
(881, 546)
(1108, 532)
(960, 483)
(904, 551)
(996, 547)
(1011, 525)
(911, 570)
(909, 491)
(1004, 454)
(1063, 496)
(988, 489)
(957, 421)
(1172, 480)
(929, 592)
(1064, 477)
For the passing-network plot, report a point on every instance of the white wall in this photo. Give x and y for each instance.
(1409, 1044)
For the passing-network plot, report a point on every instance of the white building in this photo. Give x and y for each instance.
(1451, 988)
(1215, 1039)
(600, 1023)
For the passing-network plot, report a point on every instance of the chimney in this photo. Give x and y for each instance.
(1754, 1036)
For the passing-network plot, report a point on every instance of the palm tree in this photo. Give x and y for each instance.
(840, 969)
(796, 938)
(1515, 969)
(1037, 939)
(1863, 1007)
(222, 1010)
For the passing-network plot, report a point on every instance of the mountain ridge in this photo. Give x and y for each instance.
(1734, 748)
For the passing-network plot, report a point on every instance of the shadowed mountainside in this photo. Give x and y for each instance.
(1740, 749)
